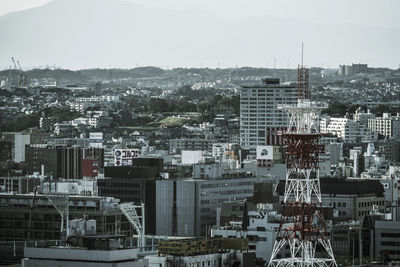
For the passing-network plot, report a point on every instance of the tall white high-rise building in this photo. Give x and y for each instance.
(260, 119)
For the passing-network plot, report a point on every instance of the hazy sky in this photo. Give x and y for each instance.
(102, 33)
(380, 13)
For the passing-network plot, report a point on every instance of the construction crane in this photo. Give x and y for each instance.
(15, 64)
(22, 79)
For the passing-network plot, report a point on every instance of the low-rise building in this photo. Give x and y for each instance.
(213, 260)
(177, 145)
(28, 217)
(101, 251)
(262, 229)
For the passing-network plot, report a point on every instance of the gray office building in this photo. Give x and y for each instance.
(189, 207)
(380, 238)
(260, 118)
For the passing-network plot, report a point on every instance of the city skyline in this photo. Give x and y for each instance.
(164, 133)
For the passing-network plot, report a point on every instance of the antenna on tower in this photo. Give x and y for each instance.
(302, 78)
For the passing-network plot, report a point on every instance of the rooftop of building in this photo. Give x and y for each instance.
(380, 221)
(270, 83)
(81, 254)
(43, 196)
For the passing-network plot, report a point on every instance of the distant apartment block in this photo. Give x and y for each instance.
(375, 104)
(47, 123)
(96, 99)
(346, 129)
(177, 145)
(260, 119)
(353, 69)
(388, 126)
(362, 117)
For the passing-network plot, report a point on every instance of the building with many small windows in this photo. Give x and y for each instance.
(260, 119)
(388, 126)
(188, 207)
(346, 129)
(362, 117)
(177, 145)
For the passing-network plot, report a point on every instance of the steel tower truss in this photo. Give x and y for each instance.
(302, 229)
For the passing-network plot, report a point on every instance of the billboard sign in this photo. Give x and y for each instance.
(123, 157)
(265, 152)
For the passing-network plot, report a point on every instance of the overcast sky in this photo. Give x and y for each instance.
(380, 13)
(364, 31)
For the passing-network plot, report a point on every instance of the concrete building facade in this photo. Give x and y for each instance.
(188, 207)
(346, 129)
(260, 119)
(380, 238)
(388, 126)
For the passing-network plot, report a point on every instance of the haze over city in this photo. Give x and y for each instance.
(102, 33)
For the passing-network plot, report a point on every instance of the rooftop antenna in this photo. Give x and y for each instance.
(302, 54)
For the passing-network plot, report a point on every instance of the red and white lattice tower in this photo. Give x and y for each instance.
(302, 229)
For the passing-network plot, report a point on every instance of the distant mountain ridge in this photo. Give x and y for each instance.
(101, 33)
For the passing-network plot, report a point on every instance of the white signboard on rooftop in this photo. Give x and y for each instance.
(265, 152)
